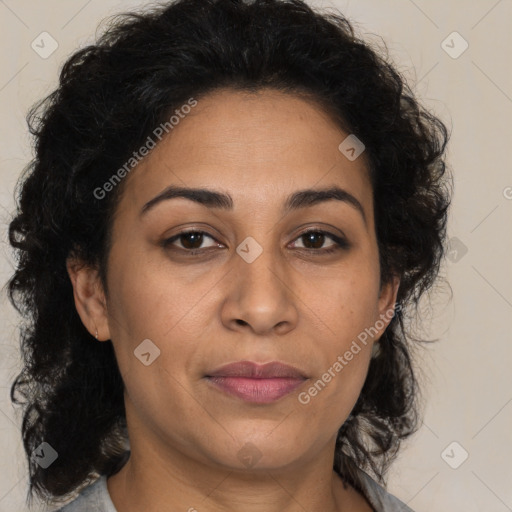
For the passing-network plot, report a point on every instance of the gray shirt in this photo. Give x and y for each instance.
(95, 498)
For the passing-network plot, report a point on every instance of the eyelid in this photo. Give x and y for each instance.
(340, 241)
(168, 242)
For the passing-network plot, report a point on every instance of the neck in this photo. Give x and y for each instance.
(149, 482)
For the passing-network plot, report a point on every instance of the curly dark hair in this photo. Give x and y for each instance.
(110, 97)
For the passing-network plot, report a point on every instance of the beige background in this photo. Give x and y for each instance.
(466, 375)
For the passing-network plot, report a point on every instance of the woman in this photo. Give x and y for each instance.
(232, 207)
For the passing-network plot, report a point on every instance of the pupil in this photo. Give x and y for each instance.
(311, 238)
(193, 240)
(196, 240)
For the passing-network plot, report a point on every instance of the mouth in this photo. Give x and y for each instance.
(256, 383)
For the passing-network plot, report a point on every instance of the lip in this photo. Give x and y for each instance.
(257, 383)
(258, 371)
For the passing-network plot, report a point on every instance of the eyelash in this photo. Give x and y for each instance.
(340, 243)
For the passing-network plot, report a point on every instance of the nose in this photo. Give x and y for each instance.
(260, 296)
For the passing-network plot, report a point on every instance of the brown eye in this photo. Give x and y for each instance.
(189, 241)
(314, 240)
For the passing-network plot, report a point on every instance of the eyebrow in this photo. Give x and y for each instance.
(223, 201)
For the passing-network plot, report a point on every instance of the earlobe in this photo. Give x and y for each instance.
(89, 298)
(387, 301)
(387, 298)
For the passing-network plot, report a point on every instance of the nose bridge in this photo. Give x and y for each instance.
(258, 266)
(263, 299)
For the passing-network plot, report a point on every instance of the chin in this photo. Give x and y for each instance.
(262, 452)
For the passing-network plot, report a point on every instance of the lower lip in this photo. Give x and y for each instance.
(260, 391)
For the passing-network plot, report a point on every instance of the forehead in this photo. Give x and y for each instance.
(259, 146)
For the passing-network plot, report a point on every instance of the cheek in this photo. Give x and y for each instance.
(350, 305)
(173, 310)
(148, 297)
(145, 307)
(333, 393)
(348, 308)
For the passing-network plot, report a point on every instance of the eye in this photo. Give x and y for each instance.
(191, 241)
(314, 239)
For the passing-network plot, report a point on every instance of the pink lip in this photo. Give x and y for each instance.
(260, 391)
(257, 383)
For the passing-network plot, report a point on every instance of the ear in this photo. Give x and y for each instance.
(386, 303)
(89, 297)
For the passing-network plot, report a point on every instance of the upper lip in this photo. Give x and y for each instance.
(252, 370)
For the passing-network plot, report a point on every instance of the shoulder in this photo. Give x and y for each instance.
(379, 498)
(94, 498)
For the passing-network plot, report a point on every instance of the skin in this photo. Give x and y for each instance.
(291, 305)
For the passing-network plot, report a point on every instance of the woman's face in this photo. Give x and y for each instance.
(250, 286)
